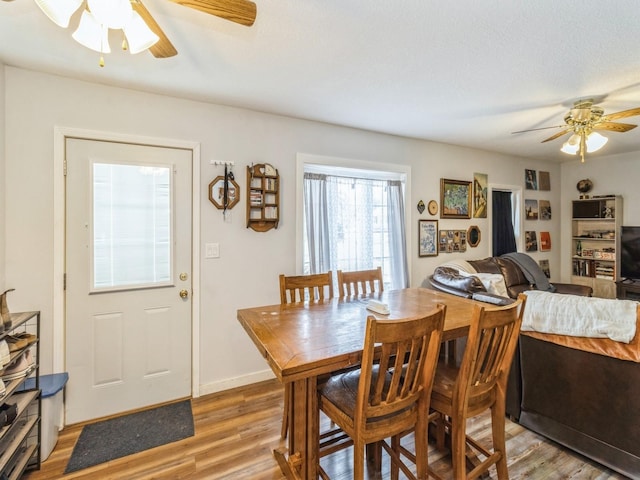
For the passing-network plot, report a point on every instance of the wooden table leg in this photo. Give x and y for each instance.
(300, 459)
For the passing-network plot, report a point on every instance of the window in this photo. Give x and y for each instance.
(131, 226)
(354, 219)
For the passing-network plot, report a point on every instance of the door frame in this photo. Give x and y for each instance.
(60, 136)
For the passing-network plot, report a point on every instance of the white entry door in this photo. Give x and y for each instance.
(128, 276)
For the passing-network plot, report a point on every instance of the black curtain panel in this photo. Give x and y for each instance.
(504, 239)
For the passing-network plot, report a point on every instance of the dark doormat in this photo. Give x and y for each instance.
(122, 436)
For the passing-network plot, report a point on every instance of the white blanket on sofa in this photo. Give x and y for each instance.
(580, 316)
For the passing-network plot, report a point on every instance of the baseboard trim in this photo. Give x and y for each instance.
(230, 383)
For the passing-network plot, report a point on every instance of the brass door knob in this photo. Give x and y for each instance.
(184, 293)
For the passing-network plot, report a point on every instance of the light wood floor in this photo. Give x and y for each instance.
(236, 431)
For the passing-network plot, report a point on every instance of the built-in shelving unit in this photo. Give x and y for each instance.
(595, 243)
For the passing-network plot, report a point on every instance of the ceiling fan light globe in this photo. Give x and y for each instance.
(570, 149)
(91, 34)
(595, 142)
(574, 140)
(112, 13)
(59, 11)
(139, 36)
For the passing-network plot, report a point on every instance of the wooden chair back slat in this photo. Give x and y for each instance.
(405, 367)
(301, 288)
(360, 282)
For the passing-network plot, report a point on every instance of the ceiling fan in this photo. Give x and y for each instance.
(583, 120)
(98, 16)
(242, 12)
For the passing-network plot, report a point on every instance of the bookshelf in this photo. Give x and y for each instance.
(595, 243)
(263, 199)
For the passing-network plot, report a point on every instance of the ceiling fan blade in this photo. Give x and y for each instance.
(536, 129)
(622, 114)
(614, 126)
(559, 134)
(238, 11)
(163, 48)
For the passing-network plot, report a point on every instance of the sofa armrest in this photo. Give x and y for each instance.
(573, 289)
(451, 281)
(447, 289)
(492, 298)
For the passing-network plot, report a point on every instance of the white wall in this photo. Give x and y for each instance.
(615, 175)
(247, 271)
(2, 175)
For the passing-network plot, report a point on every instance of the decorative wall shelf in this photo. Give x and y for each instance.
(263, 197)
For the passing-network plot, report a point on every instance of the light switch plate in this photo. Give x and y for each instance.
(212, 250)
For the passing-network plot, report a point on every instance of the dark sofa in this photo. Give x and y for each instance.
(586, 401)
(514, 278)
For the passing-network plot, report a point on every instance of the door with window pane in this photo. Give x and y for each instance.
(128, 277)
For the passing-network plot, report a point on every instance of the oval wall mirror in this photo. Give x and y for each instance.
(473, 236)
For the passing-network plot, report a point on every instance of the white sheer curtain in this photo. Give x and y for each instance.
(355, 224)
(316, 224)
(397, 237)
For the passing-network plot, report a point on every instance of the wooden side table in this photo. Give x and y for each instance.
(628, 291)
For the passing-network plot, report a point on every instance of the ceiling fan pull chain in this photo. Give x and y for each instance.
(101, 62)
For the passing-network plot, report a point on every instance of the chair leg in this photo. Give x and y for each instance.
(458, 449)
(358, 460)
(285, 414)
(440, 431)
(421, 448)
(499, 444)
(395, 468)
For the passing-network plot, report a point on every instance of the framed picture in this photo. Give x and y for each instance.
(530, 209)
(455, 198)
(544, 265)
(544, 181)
(427, 238)
(530, 180)
(473, 236)
(217, 194)
(531, 242)
(453, 241)
(480, 181)
(544, 209)
(545, 241)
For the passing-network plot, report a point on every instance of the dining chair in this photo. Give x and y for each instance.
(478, 384)
(360, 282)
(298, 288)
(388, 395)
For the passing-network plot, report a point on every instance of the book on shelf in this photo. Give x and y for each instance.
(605, 271)
(583, 268)
(271, 213)
(255, 198)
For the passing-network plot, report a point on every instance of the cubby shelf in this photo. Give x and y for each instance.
(263, 197)
(595, 243)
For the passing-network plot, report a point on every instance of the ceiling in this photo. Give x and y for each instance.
(467, 72)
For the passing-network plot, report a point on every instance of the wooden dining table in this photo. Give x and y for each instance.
(301, 341)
